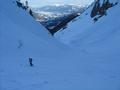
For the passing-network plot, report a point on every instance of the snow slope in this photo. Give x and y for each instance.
(101, 40)
(104, 35)
(19, 27)
(92, 65)
(85, 25)
(21, 37)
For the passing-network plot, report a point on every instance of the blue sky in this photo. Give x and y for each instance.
(39, 3)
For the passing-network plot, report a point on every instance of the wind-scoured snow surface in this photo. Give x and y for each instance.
(89, 62)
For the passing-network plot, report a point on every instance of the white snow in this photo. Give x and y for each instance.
(89, 60)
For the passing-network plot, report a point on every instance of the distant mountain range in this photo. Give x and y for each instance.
(56, 17)
(61, 8)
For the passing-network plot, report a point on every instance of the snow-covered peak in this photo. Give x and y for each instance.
(58, 5)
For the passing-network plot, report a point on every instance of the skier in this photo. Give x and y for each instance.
(30, 61)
